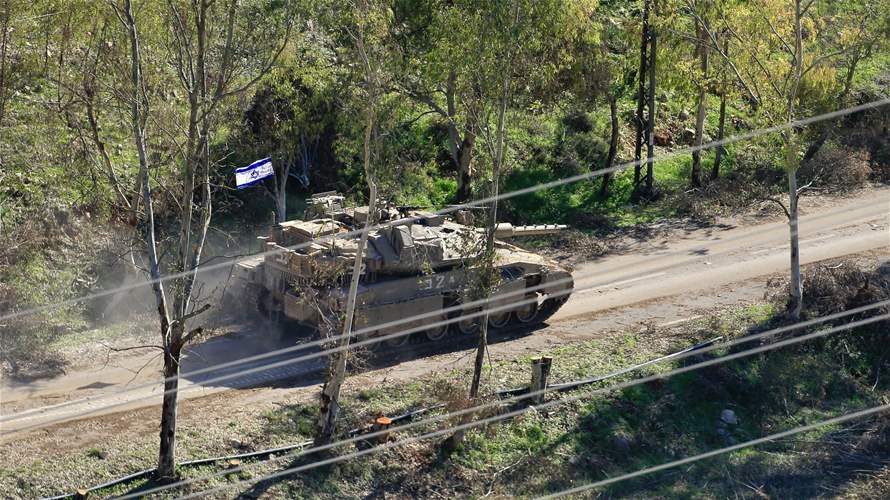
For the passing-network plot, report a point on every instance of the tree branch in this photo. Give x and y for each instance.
(192, 335)
(778, 202)
(131, 348)
(194, 313)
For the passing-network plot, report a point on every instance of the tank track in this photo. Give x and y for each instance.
(420, 346)
(546, 309)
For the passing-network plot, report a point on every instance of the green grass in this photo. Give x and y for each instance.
(544, 450)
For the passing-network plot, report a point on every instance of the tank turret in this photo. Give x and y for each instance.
(421, 264)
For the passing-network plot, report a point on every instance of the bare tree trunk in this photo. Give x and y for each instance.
(489, 243)
(796, 283)
(464, 162)
(279, 194)
(4, 49)
(641, 95)
(166, 460)
(190, 37)
(461, 145)
(137, 122)
(489, 277)
(330, 396)
(281, 205)
(613, 145)
(650, 125)
(167, 450)
(721, 127)
(791, 166)
(701, 31)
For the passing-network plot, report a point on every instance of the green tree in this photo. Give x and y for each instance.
(217, 52)
(367, 30)
(789, 52)
(442, 52)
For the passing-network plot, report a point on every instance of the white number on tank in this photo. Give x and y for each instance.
(432, 282)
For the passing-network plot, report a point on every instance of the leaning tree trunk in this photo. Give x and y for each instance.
(613, 145)
(4, 42)
(330, 396)
(489, 276)
(641, 96)
(700, 104)
(650, 125)
(721, 125)
(490, 280)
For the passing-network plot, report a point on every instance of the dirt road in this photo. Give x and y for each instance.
(658, 281)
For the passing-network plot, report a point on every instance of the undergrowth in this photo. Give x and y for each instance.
(598, 435)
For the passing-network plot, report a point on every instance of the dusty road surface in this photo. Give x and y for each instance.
(658, 281)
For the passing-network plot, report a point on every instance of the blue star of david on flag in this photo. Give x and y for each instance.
(253, 173)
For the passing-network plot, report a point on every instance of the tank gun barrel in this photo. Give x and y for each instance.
(507, 230)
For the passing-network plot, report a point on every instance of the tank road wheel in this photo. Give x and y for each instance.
(499, 319)
(527, 313)
(468, 326)
(438, 331)
(399, 340)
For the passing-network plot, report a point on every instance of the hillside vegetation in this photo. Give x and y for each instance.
(68, 158)
(122, 123)
(583, 435)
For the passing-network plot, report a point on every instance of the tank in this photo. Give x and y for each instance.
(417, 265)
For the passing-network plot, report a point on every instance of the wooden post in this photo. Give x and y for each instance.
(540, 374)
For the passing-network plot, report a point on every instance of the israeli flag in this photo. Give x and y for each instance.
(253, 173)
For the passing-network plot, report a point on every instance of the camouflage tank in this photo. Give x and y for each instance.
(422, 267)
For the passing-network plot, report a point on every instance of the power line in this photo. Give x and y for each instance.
(270, 453)
(278, 364)
(479, 202)
(390, 324)
(713, 453)
(514, 413)
(360, 343)
(298, 347)
(514, 399)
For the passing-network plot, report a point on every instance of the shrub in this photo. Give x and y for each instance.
(577, 122)
(880, 159)
(840, 287)
(580, 153)
(837, 168)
